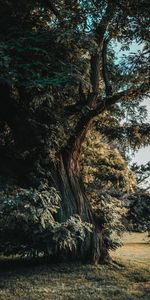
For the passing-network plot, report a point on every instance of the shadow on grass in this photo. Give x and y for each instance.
(24, 279)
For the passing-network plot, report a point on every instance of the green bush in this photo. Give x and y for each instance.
(28, 225)
(111, 211)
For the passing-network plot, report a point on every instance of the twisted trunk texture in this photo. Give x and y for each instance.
(67, 180)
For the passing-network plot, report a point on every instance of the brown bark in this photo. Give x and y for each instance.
(74, 201)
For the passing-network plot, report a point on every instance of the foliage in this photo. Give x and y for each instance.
(28, 226)
(138, 203)
(46, 69)
(142, 173)
(131, 133)
(106, 168)
(107, 178)
(67, 234)
(111, 210)
(139, 211)
(46, 64)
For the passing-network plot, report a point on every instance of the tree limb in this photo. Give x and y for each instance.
(101, 28)
(108, 87)
(99, 35)
(103, 105)
(106, 102)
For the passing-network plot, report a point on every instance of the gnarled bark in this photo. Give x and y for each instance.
(68, 181)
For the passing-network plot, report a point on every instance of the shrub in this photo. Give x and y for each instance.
(28, 225)
(111, 211)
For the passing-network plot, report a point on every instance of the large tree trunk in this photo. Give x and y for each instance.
(67, 180)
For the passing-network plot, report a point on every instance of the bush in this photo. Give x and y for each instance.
(28, 225)
(111, 211)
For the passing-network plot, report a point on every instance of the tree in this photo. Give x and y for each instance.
(143, 174)
(58, 73)
(138, 211)
(139, 202)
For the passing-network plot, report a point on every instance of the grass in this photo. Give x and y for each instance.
(136, 249)
(127, 280)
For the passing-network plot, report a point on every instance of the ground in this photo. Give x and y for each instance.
(129, 279)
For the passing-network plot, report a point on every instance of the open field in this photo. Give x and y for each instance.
(136, 249)
(128, 280)
(135, 238)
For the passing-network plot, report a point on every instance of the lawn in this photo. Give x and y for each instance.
(129, 279)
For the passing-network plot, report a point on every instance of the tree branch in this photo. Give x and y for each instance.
(99, 36)
(101, 28)
(103, 105)
(108, 87)
(95, 72)
(106, 102)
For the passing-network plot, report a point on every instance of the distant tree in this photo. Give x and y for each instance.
(139, 202)
(142, 173)
(58, 72)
